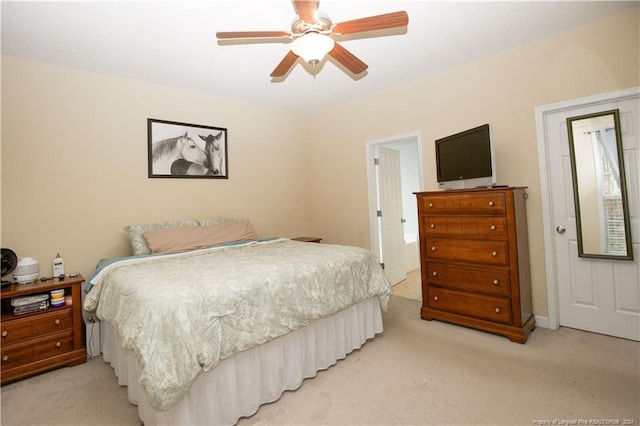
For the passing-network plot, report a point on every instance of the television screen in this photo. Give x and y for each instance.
(465, 159)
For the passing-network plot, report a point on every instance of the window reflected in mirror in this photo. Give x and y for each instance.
(602, 215)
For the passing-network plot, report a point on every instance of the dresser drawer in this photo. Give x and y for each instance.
(465, 250)
(496, 309)
(469, 279)
(57, 320)
(484, 226)
(481, 203)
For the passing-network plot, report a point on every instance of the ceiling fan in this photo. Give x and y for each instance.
(313, 36)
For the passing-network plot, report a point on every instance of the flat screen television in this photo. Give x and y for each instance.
(466, 159)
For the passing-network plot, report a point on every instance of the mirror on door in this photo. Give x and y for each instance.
(599, 188)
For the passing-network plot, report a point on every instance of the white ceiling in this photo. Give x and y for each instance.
(172, 43)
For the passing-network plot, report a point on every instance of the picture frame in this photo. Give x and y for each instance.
(183, 150)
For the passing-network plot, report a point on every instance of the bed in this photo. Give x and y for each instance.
(205, 322)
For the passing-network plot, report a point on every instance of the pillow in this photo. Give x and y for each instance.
(138, 243)
(174, 240)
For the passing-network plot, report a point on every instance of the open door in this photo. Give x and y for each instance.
(390, 213)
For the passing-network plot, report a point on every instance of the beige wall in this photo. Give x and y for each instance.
(502, 90)
(74, 164)
(74, 156)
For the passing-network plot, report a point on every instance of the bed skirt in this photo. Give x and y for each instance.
(237, 386)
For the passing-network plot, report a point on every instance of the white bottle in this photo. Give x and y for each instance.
(58, 266)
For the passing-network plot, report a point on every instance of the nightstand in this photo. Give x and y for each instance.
(43, 340)
(308, 239)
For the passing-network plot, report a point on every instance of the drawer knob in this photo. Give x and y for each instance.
(493, 227)
(58, 344)
(497, 310)
(491, 203)
(432, 226)
(434, 273)
(496, 282)
(433, 248)
(430, 205)
(5, 333)
(435, 298)
(57, 322)
(494, 253)
(5, 358)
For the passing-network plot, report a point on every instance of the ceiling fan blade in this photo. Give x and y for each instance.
(371, 23)
(307, 10)
(252, 34)
(348, 59)
(285, 65)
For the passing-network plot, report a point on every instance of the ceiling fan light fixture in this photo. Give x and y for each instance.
(312, 47)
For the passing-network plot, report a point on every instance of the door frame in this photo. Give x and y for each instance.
(374, 229)
(548, 233)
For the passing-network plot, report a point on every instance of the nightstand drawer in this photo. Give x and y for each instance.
(53, 321)
(57, 320)
(37, 349)
(53, 345)
(15, 331)
(16, 355)
(496, 309)
(469, 279)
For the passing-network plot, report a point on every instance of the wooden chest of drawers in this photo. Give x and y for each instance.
(44, 340)
(475, 259)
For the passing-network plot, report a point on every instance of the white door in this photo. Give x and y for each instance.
(390, 213)
(598, 295)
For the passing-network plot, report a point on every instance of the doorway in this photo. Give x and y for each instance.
(393, 216)
(593, 294)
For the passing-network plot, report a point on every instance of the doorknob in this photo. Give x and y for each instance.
(560, 229)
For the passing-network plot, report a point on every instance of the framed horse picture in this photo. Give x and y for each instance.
(181, 150)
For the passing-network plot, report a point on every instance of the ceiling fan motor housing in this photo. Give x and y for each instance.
(322, 25)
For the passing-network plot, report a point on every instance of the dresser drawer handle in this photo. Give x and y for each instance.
(58, 344)
(5, 333)
(433, 248)
(434, 273)
(432, 226)
(497, 310)
(430, 205)
(496, 282)
(491, 203)
(57, 322)
(494, 253)
(435, 298)
(5, 358)
(493, 227)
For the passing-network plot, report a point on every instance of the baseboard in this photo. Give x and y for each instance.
(542, 322)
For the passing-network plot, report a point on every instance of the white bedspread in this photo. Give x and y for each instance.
(183, 313)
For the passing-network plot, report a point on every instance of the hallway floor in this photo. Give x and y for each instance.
(411, 287)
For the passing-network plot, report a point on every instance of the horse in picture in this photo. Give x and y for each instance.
(167, 151)
(213, 148)
(211, 167)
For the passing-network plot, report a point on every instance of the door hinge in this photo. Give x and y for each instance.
(382, 264)
(379, 213)
(376, 161)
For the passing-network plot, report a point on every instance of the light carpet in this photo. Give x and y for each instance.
(416, 372)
